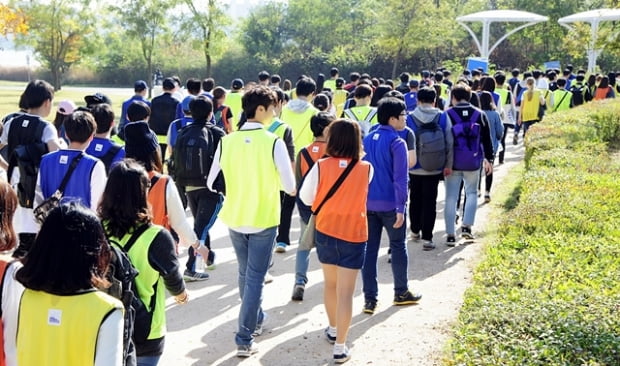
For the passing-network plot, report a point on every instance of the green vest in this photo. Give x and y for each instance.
(561, 100)
(149, 282)
(252, 180)
(300, 124)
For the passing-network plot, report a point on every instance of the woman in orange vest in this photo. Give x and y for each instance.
(163, 196)
(603, 90)
(341, 224)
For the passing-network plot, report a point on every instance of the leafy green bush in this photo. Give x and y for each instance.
(548, 290)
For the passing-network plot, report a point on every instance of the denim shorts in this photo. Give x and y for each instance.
(338, 252)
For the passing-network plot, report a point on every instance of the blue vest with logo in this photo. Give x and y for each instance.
(53, 168)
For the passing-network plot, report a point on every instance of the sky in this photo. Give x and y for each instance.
(11, 57)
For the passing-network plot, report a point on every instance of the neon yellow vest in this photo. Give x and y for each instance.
(233, 101)
(149, 282)
(561, 99)
(361, 114)
(330, 84)
(300, 124)
(61, 330)
(530, 106)
(277, 127)
(444, 90)
(252, 180)
(340, 97)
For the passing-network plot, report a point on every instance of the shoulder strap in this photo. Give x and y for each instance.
(371, 114)
(274, 126)
(3, 268)
(336, 185)
(134, 237)
(307, 157)
(561, 100)
(350, 114)
(69, 172)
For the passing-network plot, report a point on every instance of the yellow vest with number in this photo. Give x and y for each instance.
(252, 179)
(61, 330)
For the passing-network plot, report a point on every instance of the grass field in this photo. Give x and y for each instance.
(10, 92)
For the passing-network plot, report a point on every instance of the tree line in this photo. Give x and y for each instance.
(117, 42)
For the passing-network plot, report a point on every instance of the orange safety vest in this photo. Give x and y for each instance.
(601, 93)
(316, 150)
(157, 199)
(343, 216)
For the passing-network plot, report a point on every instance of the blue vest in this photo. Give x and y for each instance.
(100, 146)
(177, 125)
(378, 148)
(53, 168)
(411, 101)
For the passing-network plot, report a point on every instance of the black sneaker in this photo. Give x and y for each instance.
(343, 357)
(406, 298)
(451, 241)
(246, 350)
(466, 233)
(298, 293)
(211, 258)
(370, 306)
(191, 276)
(330, 338)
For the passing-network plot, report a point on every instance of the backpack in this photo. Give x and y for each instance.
(108, 157)
(467, 149)
(193, 153)
(578, 94)
(430, 143)
(221, 118)
(122, 274)
(25, 151)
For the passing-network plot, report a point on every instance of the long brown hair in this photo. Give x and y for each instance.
(124, 203)
(8, 205)
(530, 82)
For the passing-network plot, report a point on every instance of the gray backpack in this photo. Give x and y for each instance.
(430, 144)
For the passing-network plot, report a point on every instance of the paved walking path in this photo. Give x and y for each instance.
(202, 332)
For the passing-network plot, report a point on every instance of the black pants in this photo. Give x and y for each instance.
(205, 205)
(286, 213)
(503, 142)
(423, 203)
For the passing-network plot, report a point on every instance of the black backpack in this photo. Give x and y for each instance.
(578, 94)
(25, 150)
(193, 153)
(122, 275)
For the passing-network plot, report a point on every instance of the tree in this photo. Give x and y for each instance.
(145, 21)
(211, 23)
(11, 22)
(405, 27)
(59, 33)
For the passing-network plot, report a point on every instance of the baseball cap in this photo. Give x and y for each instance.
(237, 84)
(185, 103)
(414, 83)
(66, 107)
(140, 85)
(97, 98)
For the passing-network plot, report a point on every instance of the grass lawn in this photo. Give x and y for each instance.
(10, 92)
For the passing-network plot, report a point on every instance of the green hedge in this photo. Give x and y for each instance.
(548, 290)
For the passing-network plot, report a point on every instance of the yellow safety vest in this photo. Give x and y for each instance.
(561, 99)
(300, 124)
(61, 330)
(233, 101)
(149, 282)
(530, 106)
(252, 179)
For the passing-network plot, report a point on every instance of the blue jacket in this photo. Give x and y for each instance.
(387, 153)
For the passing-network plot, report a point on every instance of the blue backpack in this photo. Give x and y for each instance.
(467, 149)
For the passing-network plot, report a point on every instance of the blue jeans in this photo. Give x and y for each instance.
(453, 185)
(302, 259)
(148, 360)
(400, 258)
(253, 255)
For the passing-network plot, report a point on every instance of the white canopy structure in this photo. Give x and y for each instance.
(491, 16)
(594, 17)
